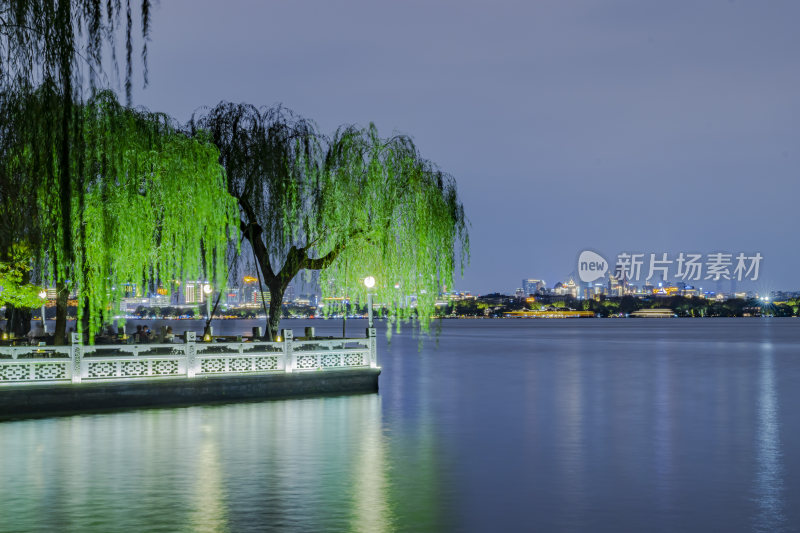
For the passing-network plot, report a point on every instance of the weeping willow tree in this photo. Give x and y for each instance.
(386, 212)
(350, 206)
(59, 41)
(149, 203)
(57, 44)
(20, 234)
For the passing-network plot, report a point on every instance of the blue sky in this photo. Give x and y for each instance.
(616, 125)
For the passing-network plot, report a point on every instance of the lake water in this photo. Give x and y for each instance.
(496, 425)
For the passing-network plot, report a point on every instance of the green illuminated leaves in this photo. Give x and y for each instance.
(398, 220)
(349, 206)
(148, 204)
(14, 289)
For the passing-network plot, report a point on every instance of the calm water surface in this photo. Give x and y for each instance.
(576, 425)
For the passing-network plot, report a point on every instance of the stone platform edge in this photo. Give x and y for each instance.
(41, 400)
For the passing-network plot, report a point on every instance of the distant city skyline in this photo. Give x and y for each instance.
(731, 270)
(618, 125)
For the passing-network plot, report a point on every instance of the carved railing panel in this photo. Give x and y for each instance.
(332, 359)
(52, 364)
(232, 364)
(131, 367)
(33, 371)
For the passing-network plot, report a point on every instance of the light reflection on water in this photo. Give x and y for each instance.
(769, 480)
(597, 425)
(311, 464)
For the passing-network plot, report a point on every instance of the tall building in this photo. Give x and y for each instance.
(259, 297)
(288, 294)
(193, 292)
(532, 286)
(615, 288)
(569, 288)
(248, 290)
(232, 296)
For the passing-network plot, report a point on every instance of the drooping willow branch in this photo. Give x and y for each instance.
(40, 46)
(149, 204)
(309, 202)
(51, 41)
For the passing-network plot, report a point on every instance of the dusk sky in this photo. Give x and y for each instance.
(617, 125)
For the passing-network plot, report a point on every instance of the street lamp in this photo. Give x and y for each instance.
(369, 282)
(43, 296)
(207, 290)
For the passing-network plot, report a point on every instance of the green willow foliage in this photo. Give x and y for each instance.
(148, 203)
(391, 215)
(349, 206)
(14, 288)
(56, 44)
(40, 41)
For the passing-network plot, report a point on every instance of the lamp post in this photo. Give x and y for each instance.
(369, 282)
(207, 290)
(43, 296)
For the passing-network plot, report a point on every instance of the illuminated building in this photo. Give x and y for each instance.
(570, 288)
(532, 286)
(599, 289)
(159, 300)
(247, 292)
(193, 292)
(615, 288)
(289, 294)
(259, 297)
(551, 313)
(232, 296)
(665, 291)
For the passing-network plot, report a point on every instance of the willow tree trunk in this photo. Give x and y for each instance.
(276, 291)
(18, 320)
(296, 260)
(65, 195)
(84, 320)
(62, 297)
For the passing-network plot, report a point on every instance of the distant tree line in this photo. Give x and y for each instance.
(683, 306)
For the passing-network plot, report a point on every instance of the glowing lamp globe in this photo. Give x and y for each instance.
(369, 281)
(43, 294)
(207, 288)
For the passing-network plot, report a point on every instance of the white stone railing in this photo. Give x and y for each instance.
(114, 362)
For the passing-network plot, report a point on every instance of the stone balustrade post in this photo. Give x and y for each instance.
(288, 349)
(76, 355)
(190, 350)
(373, 347)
